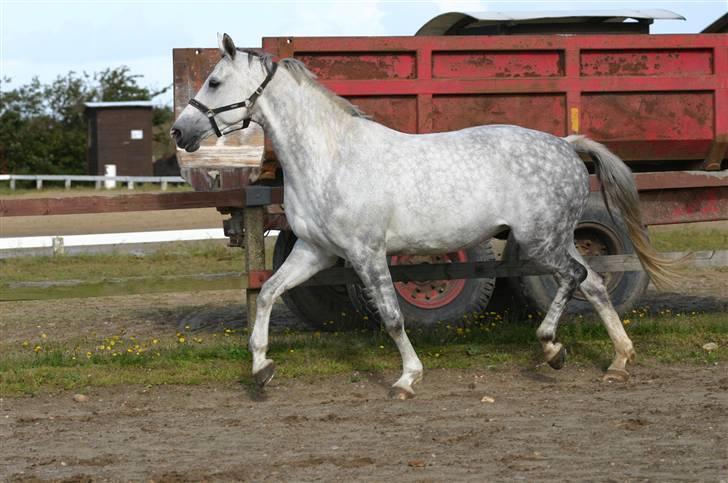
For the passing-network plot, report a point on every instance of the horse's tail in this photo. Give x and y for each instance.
(618, 189)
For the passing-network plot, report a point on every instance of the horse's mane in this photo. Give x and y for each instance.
(301, 74)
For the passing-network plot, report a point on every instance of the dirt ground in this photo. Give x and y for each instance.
(110, 222)
(666, 424)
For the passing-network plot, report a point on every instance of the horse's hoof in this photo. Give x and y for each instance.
(558, 360)
(264, 375)
(616, 375)
(400, 393)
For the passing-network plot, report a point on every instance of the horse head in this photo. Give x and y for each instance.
(219, 106)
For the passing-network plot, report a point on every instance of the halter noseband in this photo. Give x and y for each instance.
(247, 103)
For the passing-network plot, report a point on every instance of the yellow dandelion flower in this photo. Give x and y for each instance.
(181, 340)
(626, 321)
(43, 335)
(26, 343)
(155, 341)
(37, 348)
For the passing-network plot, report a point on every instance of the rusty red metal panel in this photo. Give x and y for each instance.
(397, 112)
(642, 62)
(671, 206)
(479, 64)
(543, 112)
(370, 65)
(649, 125)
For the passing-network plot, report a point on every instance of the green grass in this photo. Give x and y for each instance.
(688, 238)
(172, 259)
(486, 342)
(54, 188)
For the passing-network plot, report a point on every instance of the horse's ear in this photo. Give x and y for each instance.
(219, 44)
(227, 46)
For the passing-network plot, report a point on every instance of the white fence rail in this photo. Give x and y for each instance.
(98, 180)
(146, 241)
(98, 243)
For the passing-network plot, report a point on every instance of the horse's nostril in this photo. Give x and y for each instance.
(175, 133)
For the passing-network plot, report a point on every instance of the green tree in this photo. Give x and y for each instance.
(43, 126)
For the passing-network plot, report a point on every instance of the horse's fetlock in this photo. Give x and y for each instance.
(545, 335)
(257, 348)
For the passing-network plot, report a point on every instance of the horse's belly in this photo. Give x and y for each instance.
(440, 234)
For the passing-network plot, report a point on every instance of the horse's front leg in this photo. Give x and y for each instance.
(374, 273)
(304, 261)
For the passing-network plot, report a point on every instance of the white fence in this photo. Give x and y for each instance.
(146, 241)
(97, 243)
(97, 180)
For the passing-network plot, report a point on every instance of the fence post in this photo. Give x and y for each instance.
(12, 184)
(130, 185)
(58, 248)
(164, 185)
(68, 183)
(254, 255)
(110, 172)
(39, 184)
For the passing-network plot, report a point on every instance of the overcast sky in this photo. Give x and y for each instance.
(51, 38)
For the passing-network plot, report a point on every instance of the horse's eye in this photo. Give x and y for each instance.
(213, 83)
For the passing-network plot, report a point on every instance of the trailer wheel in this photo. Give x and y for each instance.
(596, 234)
(325, 307)
(425, 304)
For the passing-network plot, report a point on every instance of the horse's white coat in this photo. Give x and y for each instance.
(359, 190)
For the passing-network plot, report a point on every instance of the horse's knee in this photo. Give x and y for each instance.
(393, 320)
(267, 294)
(580, 273)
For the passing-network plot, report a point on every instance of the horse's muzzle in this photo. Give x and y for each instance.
(189, 145)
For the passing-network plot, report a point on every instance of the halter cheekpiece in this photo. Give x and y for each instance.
(247, 103)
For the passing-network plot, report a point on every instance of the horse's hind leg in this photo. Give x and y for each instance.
(374, 273)
(569, 274)
(304, 261)
(596, 293)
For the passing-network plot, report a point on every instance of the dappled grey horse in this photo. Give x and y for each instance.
(359, 190)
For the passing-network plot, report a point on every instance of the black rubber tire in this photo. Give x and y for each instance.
(472, 300)
(325, 308)
(625, 288)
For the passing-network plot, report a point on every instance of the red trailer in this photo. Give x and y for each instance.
(659, 101)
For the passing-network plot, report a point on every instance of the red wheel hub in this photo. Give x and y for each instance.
(431, 294)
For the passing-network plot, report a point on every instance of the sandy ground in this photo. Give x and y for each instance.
(110, 222)
(666, 424)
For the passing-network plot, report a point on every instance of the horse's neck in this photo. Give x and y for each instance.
(304, 127)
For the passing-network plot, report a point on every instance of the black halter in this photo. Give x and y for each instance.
(248, 103)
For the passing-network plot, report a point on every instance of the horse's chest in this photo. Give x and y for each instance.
(305, 222)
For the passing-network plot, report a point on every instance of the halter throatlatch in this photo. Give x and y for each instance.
(247, 103)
